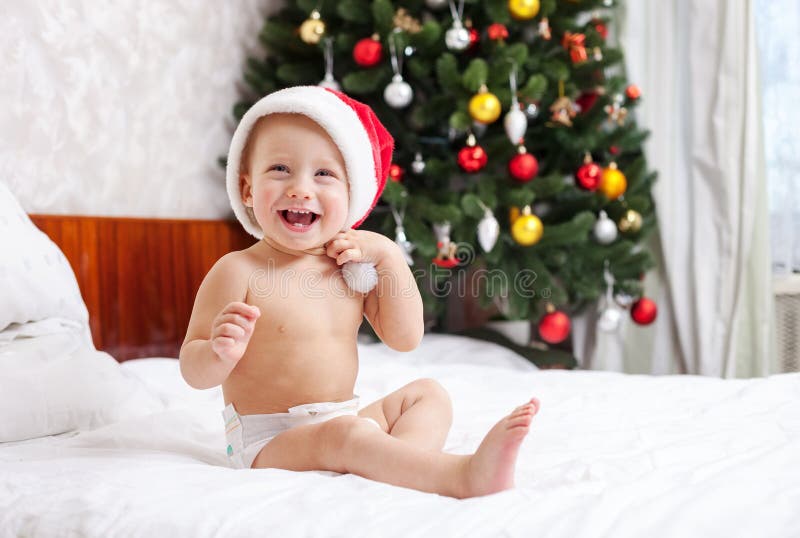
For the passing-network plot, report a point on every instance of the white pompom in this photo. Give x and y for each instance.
(360, 276)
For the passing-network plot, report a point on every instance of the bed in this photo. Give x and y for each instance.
(96, 447)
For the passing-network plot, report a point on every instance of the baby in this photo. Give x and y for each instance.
(276, 325)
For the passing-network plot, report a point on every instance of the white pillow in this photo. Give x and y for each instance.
(54, 383)
(36, 280)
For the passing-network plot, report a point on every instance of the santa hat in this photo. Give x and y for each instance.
(365, 144)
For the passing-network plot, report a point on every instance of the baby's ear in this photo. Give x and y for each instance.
(246, 188)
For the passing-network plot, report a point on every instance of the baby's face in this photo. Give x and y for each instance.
(294, 164)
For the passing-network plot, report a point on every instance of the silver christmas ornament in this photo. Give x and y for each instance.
(398, 94)
(418, 165)
(406, 246)
(532, 111)
(605, 229)
(330, 83)
(488, 231)
(610, 319)
(516, 123)
(610, 313)
(457, 37)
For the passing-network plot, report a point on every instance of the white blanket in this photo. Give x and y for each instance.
(608, 455)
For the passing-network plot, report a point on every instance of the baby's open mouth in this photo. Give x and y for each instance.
(298, 217)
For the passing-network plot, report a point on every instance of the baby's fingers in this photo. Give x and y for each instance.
(349, 255)
(243, 309)
(230, 330)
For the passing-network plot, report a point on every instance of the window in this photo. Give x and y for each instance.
(778, 35)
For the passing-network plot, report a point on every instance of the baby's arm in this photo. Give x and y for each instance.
(220, 327)
(394, 306)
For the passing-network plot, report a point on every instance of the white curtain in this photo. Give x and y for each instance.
(696, 63)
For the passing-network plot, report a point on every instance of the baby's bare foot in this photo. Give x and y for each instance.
(491, 468)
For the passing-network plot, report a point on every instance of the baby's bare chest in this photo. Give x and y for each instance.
(304, 302)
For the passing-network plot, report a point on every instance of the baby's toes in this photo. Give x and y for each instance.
(522, 421)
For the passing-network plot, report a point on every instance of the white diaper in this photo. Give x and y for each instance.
(247, 434)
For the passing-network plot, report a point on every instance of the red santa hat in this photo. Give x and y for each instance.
(365, 144)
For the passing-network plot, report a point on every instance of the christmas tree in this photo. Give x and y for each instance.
(516, 158)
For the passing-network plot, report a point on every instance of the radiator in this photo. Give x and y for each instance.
(787, 321)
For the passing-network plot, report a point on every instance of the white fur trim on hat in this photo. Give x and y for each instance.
(343, 126)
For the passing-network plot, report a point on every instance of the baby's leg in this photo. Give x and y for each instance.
(353, 445)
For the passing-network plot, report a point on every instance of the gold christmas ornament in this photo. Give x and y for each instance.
(523, 10)
(527, 230)
(312, 29)
(613, 182)
(484, 107)
(631, 221)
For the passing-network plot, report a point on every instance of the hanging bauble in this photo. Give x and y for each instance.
(515, 123)
(418, 165)
(497, 31)
(436, 4)
(527, 229)
(588, 175)
(523, 166)
(368, 51)
(488, 231)
(605, 231)
(644, 311)
(631, 221)
(398, 94)
(523, 10)
(312, 29)
(330, 83)
(484, 106)
(613, 182)
(554, 326)
(586, 100)
(474, 39)
(457, 37)
(472, 157)
(531, 111)
(633, 92)
(396, 172)
(544, 29)
(601, 27)
(610, 319)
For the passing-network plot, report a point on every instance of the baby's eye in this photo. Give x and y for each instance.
(324, 172)
(279, 168)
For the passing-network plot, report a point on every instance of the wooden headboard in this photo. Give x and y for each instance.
(139, 276)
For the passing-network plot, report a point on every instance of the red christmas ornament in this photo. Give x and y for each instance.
(474, 37)
(497, 31)
(368, 51)
(587, 100)
(601, 28)
(472, 157)
(633, 92)
(554, 326)
(588, 175)
(644, 311)
(614, 150)
(396, 173)
(523, 166)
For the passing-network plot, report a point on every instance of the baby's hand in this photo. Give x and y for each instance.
(358, 246)
(232, 329)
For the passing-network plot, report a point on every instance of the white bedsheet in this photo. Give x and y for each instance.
(608, 455)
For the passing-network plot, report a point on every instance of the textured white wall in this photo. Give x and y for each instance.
(122, 108)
